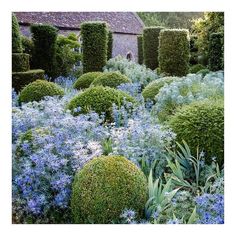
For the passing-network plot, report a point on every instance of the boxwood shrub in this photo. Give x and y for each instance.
(140, 49)
(20, 62)
(44, 39)
(195, 68)
(94, 44)
(85, 80)
(193, 50)
(216, 51)
(105, 187)
(174, 52)
(111, 79)
(38, 89)
(153, 88)
(201, 124)
(109, 45)
(16, 38)
(98, 99)
(20, 79)
(150, 46)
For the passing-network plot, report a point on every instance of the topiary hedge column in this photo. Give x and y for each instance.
(44, 39)
(94, 44)
(109, 45)
(216, 52)
(16, 39)
(174, 52)
(150, 46)
(140, 49)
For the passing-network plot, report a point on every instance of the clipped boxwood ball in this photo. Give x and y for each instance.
(105, 187)
(98, 99)
(153, 88)
(38, 89)
(111, 79)
(201, 124)
(86, 79)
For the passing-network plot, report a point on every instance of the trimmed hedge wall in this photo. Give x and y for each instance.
(44, 39)
(16, 38)
(94, 44)
(140, 49)
(174, 52)
(109, 45)
(20, 79)
(193, 50)
(105, 187)
(20, 62)
(150, 46)
(216, 52)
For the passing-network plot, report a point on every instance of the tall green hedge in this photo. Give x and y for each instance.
(193, 50)
(109, 45)
(94, 44)
(16, 38)
(150, 46)
(140, 49)
(216, 51)
(174, 51)
(44, 39)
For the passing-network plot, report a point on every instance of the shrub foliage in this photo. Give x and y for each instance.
(140, 49)
(105, 187)
(109, 45)
(95, 38)
(16, 38)
(20, 62)
(174, 52)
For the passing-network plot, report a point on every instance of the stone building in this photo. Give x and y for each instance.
(124, 25)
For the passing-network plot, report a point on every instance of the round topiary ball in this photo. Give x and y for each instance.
(38, 89)
(201, 124)
(111, 79)
(105, 187)
(98, 99)
(86, 79)
(153, 88)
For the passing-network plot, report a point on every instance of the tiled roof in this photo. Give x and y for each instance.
(120, 22)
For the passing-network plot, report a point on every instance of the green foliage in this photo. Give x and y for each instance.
(216, 52)
(195, 68)
(111, 79)
(150, 46)
(211, 22)
(105, 187)
(20, 62)
(67, 54)
(16, 38)
(95, 38)
(174, 52)
(109, 45)
(85, 80)
(38, 89)
(44, 55)
(201, 125)
(98, 99)
(153, 88)
(20, 79)
(203, 72)
(193, 50)
(140, 49)
(27, 45)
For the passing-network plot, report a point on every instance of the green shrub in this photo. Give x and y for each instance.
(27, 45)
(153, 88)
(20, 79)
(216, 52)
(109, 45)
(150, 46)
(203, 72)
(174, 51)
(44, 55)
(193, 50)
(20, 62)
(95, 37)
(16, 38)
(85, 80)
(105, 187)
(140, 49)
(195, 68)
(98, 99)
(201, 124)
(111, 79)
(38, 89)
